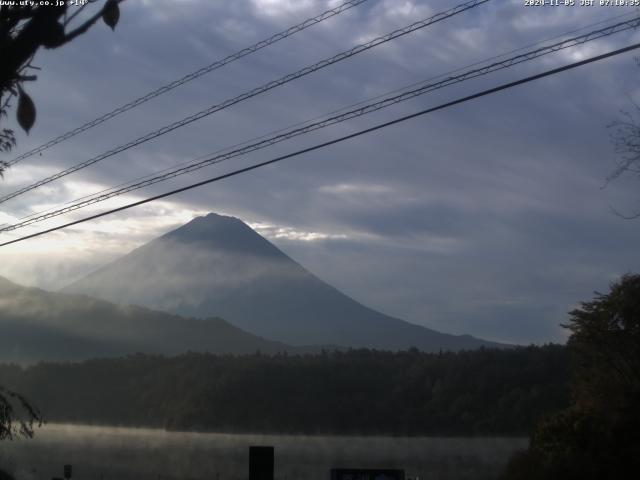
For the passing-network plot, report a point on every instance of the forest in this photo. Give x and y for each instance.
(481, 392)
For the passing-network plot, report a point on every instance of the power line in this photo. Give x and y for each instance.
(380, 126)
(191, 76)
(362, 102)
(256, 91)
(341, 109)
(332, 120)
(195, 165)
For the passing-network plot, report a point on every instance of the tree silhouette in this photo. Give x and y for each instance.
(24, 29)
(17, 416)
(625, 137)
(598, 436)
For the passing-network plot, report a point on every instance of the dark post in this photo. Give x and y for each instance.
(260, 463)
(67, 472)
(366, 474)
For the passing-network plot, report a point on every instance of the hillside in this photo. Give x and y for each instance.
(38, 325)
(219, 266)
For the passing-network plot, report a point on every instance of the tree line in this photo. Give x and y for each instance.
(482, 392)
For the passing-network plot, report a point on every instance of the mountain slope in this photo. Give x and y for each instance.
(36, 325)
(218, 266)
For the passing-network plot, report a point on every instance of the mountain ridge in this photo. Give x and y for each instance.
(218, 266)
(37, 325)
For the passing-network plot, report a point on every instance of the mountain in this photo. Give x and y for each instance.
(36, 325)
(218, 266)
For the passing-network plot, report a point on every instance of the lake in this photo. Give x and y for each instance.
(105, 453)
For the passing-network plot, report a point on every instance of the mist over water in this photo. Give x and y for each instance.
(105, 453)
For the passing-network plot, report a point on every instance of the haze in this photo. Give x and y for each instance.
(486, 219)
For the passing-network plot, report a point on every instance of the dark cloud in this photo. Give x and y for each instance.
(487, 218)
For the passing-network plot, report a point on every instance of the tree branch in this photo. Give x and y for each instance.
(75, 14)
(626, 217)
(87, 24)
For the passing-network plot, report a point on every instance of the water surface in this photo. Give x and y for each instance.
(100, 453)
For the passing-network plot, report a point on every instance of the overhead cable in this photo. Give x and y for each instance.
(332, 120)
(252, 93)
(191, 76)
(335, 141)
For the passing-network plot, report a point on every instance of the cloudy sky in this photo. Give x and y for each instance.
(490, 218)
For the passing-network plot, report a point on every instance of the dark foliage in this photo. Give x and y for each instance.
(17, 415)
(598, 436)
(5, 476)
(25, 27)
(360, 391)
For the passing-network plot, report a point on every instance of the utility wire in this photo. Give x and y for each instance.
(199, 163)
(342, 109)
(380, 126)
(191, 76)
(256, 91)
(332, 120)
